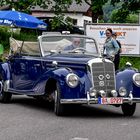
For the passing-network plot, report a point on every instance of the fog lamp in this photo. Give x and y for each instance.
(122, 91)
(93, 92)
(114, 93)
(102, 93)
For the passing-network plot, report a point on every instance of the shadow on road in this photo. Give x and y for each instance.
(97, 111)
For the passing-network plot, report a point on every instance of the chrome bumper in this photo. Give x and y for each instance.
(95, 101)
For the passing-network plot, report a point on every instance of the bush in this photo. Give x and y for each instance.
(4, 37)
(6, 32)
(135, 61)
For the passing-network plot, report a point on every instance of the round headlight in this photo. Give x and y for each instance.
(72, 80)
(136, 79)
(122, 91)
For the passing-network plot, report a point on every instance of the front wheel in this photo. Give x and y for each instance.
(5, 97)
(58, 107)
(128, 109)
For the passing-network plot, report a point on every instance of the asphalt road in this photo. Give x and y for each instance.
(26, 118)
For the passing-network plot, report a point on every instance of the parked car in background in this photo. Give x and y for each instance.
(45, 69)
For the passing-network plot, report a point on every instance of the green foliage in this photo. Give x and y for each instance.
(123, 16)
(119, 16)
(56, 21)
(135, 61)
(109, 9)
(126, 13)
(25, 5)
(59, 6)
(5, 34)
(132, 18)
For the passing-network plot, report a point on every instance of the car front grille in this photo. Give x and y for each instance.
(103, 76)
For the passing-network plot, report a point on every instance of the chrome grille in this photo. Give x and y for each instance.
(103, 76)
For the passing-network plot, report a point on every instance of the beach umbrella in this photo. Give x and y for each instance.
(20, 19)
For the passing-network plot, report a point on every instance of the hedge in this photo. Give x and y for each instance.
(135, 61)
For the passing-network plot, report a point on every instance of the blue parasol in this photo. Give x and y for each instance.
(20, 19)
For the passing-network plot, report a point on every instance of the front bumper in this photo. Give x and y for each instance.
(89, 100)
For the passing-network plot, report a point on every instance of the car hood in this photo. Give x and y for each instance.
(70, 60)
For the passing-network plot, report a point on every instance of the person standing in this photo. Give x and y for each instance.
(111, 47)
(117, 56)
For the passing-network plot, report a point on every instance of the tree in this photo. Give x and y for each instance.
(24, 5)
(128, 6)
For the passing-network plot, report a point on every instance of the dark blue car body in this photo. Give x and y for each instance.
(46, 76)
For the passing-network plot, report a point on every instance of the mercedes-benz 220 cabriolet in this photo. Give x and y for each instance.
(56, 70)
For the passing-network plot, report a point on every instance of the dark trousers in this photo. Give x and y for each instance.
(117, 61)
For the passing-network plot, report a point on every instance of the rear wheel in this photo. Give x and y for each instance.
(128, 109)
(5, 97)
(58, 107)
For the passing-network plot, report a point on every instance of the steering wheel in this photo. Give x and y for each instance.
(78, 49)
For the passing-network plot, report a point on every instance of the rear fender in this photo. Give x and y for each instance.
(5, 71)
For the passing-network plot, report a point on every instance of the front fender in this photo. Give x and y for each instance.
(124, 78)
(67, 92)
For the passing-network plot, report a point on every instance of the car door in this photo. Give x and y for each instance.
(27, 67)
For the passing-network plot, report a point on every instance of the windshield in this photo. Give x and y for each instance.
(68, 44)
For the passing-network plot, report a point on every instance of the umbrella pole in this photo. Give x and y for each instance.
(36, 32)
(12, 33)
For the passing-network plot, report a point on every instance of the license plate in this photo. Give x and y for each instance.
(112, 100)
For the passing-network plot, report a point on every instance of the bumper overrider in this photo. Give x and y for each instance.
(99, 100)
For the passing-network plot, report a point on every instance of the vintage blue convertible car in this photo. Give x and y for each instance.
(53, 70)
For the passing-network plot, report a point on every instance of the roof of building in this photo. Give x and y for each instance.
(74, 7)
(5, 7)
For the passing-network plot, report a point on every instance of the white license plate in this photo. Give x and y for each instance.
(111, 100)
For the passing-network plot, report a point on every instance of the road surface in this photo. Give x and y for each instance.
(25, 118)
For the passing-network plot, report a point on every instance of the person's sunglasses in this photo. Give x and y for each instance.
(108, 33)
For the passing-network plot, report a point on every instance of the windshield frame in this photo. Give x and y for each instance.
(72, 36)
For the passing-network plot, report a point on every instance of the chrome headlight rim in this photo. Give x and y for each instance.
(69, 82)
(134, 79)
(121, 91)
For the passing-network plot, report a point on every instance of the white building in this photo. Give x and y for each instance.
(79, 13)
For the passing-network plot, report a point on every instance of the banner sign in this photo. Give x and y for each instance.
(128, 35)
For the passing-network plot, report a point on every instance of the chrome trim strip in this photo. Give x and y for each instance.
(73, 101)
(25, 92)
(79, 101)
(94, 101)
